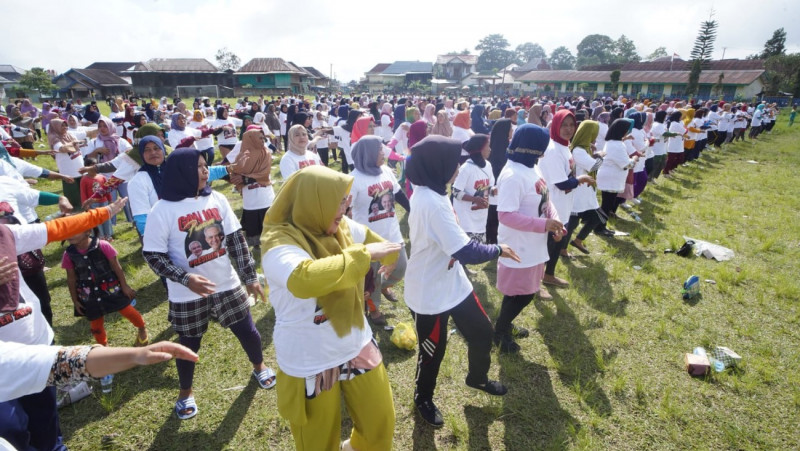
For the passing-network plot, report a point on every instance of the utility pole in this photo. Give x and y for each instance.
(723, 52)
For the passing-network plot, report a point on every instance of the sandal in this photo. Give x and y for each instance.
(491, 387)
(379, 319)
(579, 247)
(185, 408)
(266, 378)
(141, 343)
(387, 293)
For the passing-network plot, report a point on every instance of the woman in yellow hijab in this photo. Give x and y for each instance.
(317, 259)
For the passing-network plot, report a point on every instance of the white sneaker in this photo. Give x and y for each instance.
(636, 201)
(626, 206)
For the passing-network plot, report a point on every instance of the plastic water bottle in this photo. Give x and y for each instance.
(105, 383)
(133, 302)
(75, 394)
(719, 365)
(52, 216)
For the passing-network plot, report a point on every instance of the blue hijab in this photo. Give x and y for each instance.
(155, 172)
(478, 122)
(528, 144)
(399, 114)
(180, 178)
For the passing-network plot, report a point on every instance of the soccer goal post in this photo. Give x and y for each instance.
(191, 91)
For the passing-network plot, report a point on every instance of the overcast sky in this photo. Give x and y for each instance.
(354, 35)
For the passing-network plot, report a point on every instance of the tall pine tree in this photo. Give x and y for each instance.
(701, 52)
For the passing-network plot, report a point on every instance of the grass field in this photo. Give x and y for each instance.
(602, 369)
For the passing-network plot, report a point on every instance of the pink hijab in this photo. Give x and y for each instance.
(110, 141)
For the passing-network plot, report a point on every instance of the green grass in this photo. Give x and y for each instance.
(602, 369)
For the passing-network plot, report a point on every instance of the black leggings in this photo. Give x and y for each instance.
(609, 202)
(248, 337)
(492, 223)
(323, 155)
(591, 219)
(432, 330)
(345, 163)
(553, 251)
(511, 308)
(38, 284)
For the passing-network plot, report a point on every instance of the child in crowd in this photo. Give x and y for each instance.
(88, 186)
(98, 287)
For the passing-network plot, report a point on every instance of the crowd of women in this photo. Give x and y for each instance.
(481, 179)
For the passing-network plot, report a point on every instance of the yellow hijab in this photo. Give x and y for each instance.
(301, 213)
(585, 136)
(688, 115)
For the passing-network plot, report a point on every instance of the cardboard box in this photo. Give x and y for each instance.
(697, 365)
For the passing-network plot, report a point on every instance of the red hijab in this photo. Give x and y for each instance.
(555, 126)
(462, 119)
(360, 128)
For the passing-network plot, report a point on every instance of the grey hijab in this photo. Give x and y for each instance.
(365, 154)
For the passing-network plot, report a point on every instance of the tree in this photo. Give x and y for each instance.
(701, 52)
(595, 49)
(776, 45)
(783, 73)
(227, 60)
(625, 50)
(528, 51)
(562, 58)
(494, 54)
(454, 53)
(37, 79)
(660, 52)
(615, 79)
(717, 88)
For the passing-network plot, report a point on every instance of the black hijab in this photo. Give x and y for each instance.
(618, 129)
(474, 145)
(156, 173)
(433, 161)
(352, 117)
(180, 178)
(498, 142)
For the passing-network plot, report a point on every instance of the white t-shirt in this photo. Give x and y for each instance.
(584, 197)
(20, 169)
(141, 194)
(600, 142)
(556, 167)
(462, 134)
(228, 137)
(79, 133)
(119, 128)
(68, 163)
(473, 181)
(342, 137)
(432, 283)
(373, 203)
(613, 172)
(176, 136)
(305, 342)
(30, 327)
(291, 162)
(675, 143)
(34, 361)
(519, 190)
(202, 143)
(256, 196)
(756, 121)
(122, 145)
(639, 143)
(660, 143)
(174, 228)
(22, 198)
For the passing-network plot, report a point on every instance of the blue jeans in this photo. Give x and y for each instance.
(105, 228)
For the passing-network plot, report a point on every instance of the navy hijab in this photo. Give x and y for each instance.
(528, 144)
(180, 178)
(433, 161)
(155, 172)
(478, 122)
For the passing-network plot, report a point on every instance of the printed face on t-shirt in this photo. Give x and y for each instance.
(382, 204)
(205, 236)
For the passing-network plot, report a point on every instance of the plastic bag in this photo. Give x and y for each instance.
(691, 288)
(404, 336)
